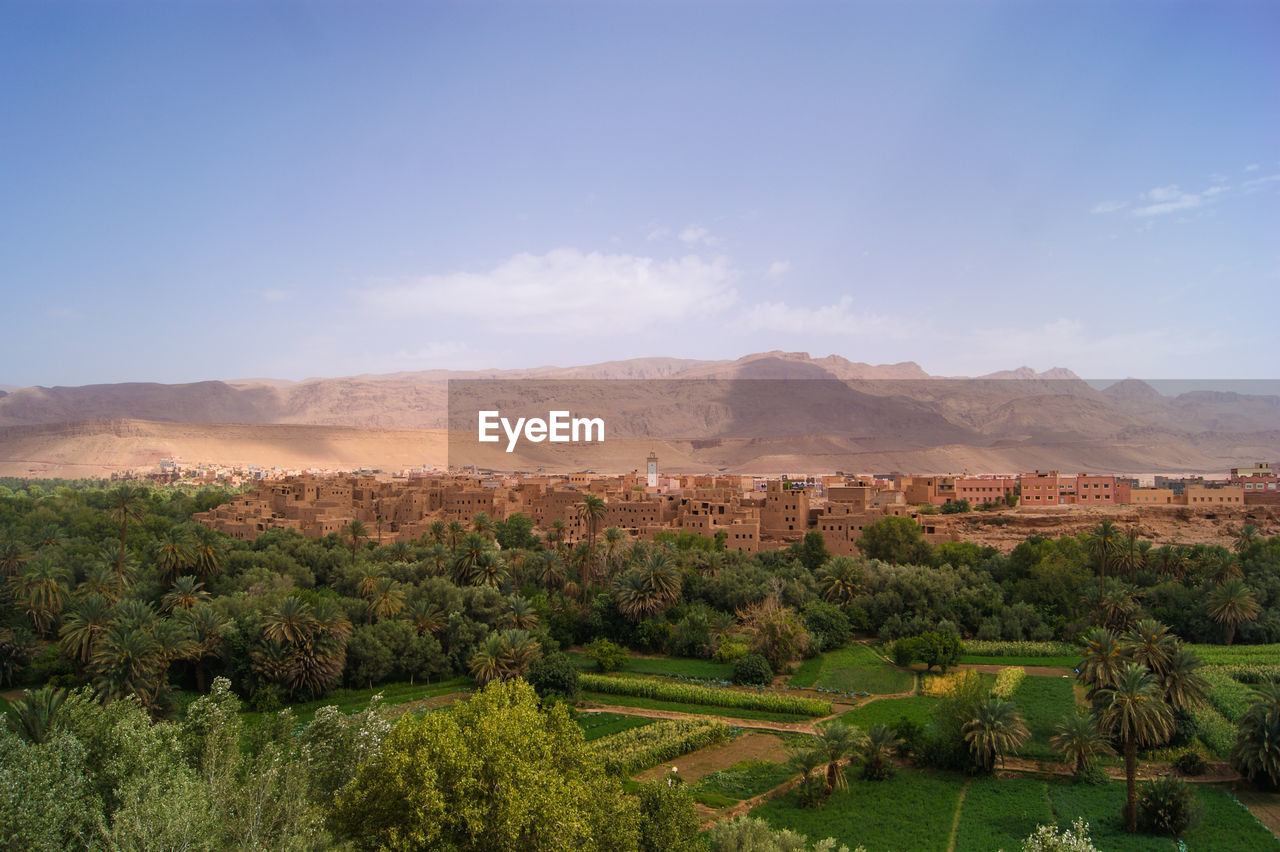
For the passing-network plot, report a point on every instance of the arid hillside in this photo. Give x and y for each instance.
(770, 412)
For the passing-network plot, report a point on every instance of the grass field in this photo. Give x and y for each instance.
(1043, 701)
(355, 700)
(1226, 655)
(741, 781)
(998, 813)
(912, 811)
(1062, 662)
(855, 668)
(887, 711)
(669, 666)
(597, 725)
(697, 709)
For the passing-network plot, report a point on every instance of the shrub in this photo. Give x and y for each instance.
(730, 651)
(628, 752)
(1047, 839)
(904, 652)
(770, 702)
(910, 737)
(651, 636)
(752, 670)
(1093, 775)
(1190, 762)
(1166, 806)
(1007, 681)
(553, 676)
(828, 626)
(607, 656)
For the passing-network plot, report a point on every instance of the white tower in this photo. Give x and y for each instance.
(652, 479)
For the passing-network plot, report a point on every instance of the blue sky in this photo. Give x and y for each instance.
(220, 190)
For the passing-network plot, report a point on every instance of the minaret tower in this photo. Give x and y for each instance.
(652, 470)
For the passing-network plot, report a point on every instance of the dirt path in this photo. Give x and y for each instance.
(1265, 806)
(955, 823)
(1216, 773)
(698, 764)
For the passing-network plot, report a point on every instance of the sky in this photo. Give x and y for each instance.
(194, 191)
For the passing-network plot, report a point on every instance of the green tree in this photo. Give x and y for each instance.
(1257, 750)
(840, 579)
(354, 531)
(32, 715)
(995, 730)
(838, 742)
(127, 503)
(1132, 710)
(1232, 603)
(876, 750)
(83, 626)
(498, 772)
(894, 539)
(1102, 543)
(1078, 739)
(668, 819)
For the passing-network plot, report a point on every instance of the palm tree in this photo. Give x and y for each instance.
(426, 617)
(85, 624)
(490, 570)
(808, 762)
(1132, 710)
(1102, 660)
(1119, 606)
(454, 532)
(31, 717)
(1231, 604)
(1181, 683)
(482, 524)
(436, 532)
(840, 579)
(556, 535)
(1248, 535)
(552, 571)
(103, 580)
(386, 599)
(207, 631)
(1218, 566)
(487, 663)
(50, 536)
(12, 556)
(522, 615)
(613, 539)
(592, 512)
(127, 503)
(880, 743)
(355, 530)
(1171, 561)
(1078, 739)
(662, 574)
(1150, 644)
(173, 553)
(637, 598)
(1257, 749)
(293, 622)
(996, 729)
(185, 593)
(1132, 551)
(437, 559)
(42, 588)
(1102, 543)
(467, 556)
(837, 742)
(400, 551)
(206, 555)
(126, 662)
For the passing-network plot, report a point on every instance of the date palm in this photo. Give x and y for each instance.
(126, 504)
(185, 593)
(1247, 535)
(454, 533)
(995, 730)
(1078, 739)
(490, 571)
(1102, 544)
(637, 598)
(354, 531)
(1231, 604)
(483, 525)
(386, 599)
(173, 553)
(1102, 660)
(840, 579)
(12, 556)
(1131, 552)
(1181, 683)
(207, 631)
(436, 532)
(467, 556)
(426, 617)
(838, 742)
(522, 615)
(662, 574)
(126, 662)
(102, 580)
(41, 589)
(31, 716)
(558, 532)
(1257, 750)
(592, 513)
(551, 570)
(1150, 644)
(437, 559)
(875, 750)
(613, 541)
(487, 663)
(206, 553)
(294, 621)
(1133, 711)
(84, 625)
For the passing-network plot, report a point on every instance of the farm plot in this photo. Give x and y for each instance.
(856, 668)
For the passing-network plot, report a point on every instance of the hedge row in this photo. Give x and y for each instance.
(769, 702)
(628, 752)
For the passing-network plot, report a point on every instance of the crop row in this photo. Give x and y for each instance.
(629, 752)
(1214, 730)
(689, 694)
(1250, 672)
(1228, 696)
(1007, 681)
(997, 648)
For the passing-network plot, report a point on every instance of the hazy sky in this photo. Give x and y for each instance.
(220, 190)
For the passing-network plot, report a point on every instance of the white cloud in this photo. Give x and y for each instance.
(695, 234)
(1108, 206)
(660, 232)
(835, 319)
(1252, 167)
(778, 268)
(1166, 199)
(566, 291)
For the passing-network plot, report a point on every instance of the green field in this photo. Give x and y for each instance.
(911, 811)
(355, 700)
(1068, 662)
(887, 711)
(998, 813)
(856, 668)
(741, 781)
(1043, 701)
(669, 666)
(916, 809)
(596, 725)
(695, 709)
(1226, 655)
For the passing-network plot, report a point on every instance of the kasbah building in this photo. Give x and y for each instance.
(750, 513)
